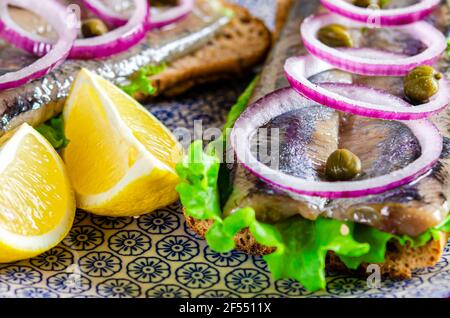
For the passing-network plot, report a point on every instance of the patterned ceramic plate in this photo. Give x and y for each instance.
(156, 255)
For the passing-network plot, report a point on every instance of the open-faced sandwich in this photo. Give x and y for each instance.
(342, 157)
(188, 42)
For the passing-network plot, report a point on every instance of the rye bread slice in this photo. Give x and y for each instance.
(242, 44)
(399, 262)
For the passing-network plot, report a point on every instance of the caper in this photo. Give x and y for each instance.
(342, 165)
(93, 27)
(367, 3)
(163, 3)
(335, 35)
(421, 84)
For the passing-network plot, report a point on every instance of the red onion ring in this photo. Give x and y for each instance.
(117, 40)
(57, 53)
(285, 100)
(372, 103)
(372, 65)
(388, 17)
(113, 42)
(157, 20)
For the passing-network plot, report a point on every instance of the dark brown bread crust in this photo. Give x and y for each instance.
(242, 44)
(399, 263)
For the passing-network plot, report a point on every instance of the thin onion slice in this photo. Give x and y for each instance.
(285, 100)
(383, 17)
(116, 41)
(367, 64)
(66, 23)
(365, 101)
(157, 19)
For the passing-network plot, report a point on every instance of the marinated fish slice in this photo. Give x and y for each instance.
(410, 209)
(382, 146)
(43, 98)
(387, 39)
(307, 137)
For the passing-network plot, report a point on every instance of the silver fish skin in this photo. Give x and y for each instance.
(308, 138)
(42, 99)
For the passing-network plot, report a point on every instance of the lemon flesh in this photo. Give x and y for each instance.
(37, 206)
(120, 158)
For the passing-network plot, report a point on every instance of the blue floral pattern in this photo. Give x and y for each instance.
(218, 293)
(229, 259)
(245, 280)
(56, 259)
(177, 248)
(69, 283)
(129, 243)
(163, 114)
(168, 291)
(159, 222)
(100, 264)
(259, 262)
(441, 278)
(111, 223)
(148, 270)
(84, 237)
(79, 217)
(400, 285)
(290, 287)
(377, 295)
(118, 288)
(197, 275)
(443, 263)
(35, 292)
(268, 295)
(190, 232)
(20, 275)
(447, 250)
(347, 286)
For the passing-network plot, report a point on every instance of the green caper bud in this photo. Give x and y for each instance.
(335, 35)
(93, 27)
(163, 3)
(342, 165)
(367, 3)
(421, 84)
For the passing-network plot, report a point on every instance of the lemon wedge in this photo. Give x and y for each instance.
(37, 206)
(120, 158)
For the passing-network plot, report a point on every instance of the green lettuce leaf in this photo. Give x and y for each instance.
(53, 131)
(140, 81)
(241, 104)
(301, 253)
(378, 241)
(198, 190)
(444, 226)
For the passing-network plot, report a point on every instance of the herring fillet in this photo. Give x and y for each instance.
(41, 99)
(383, 147)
